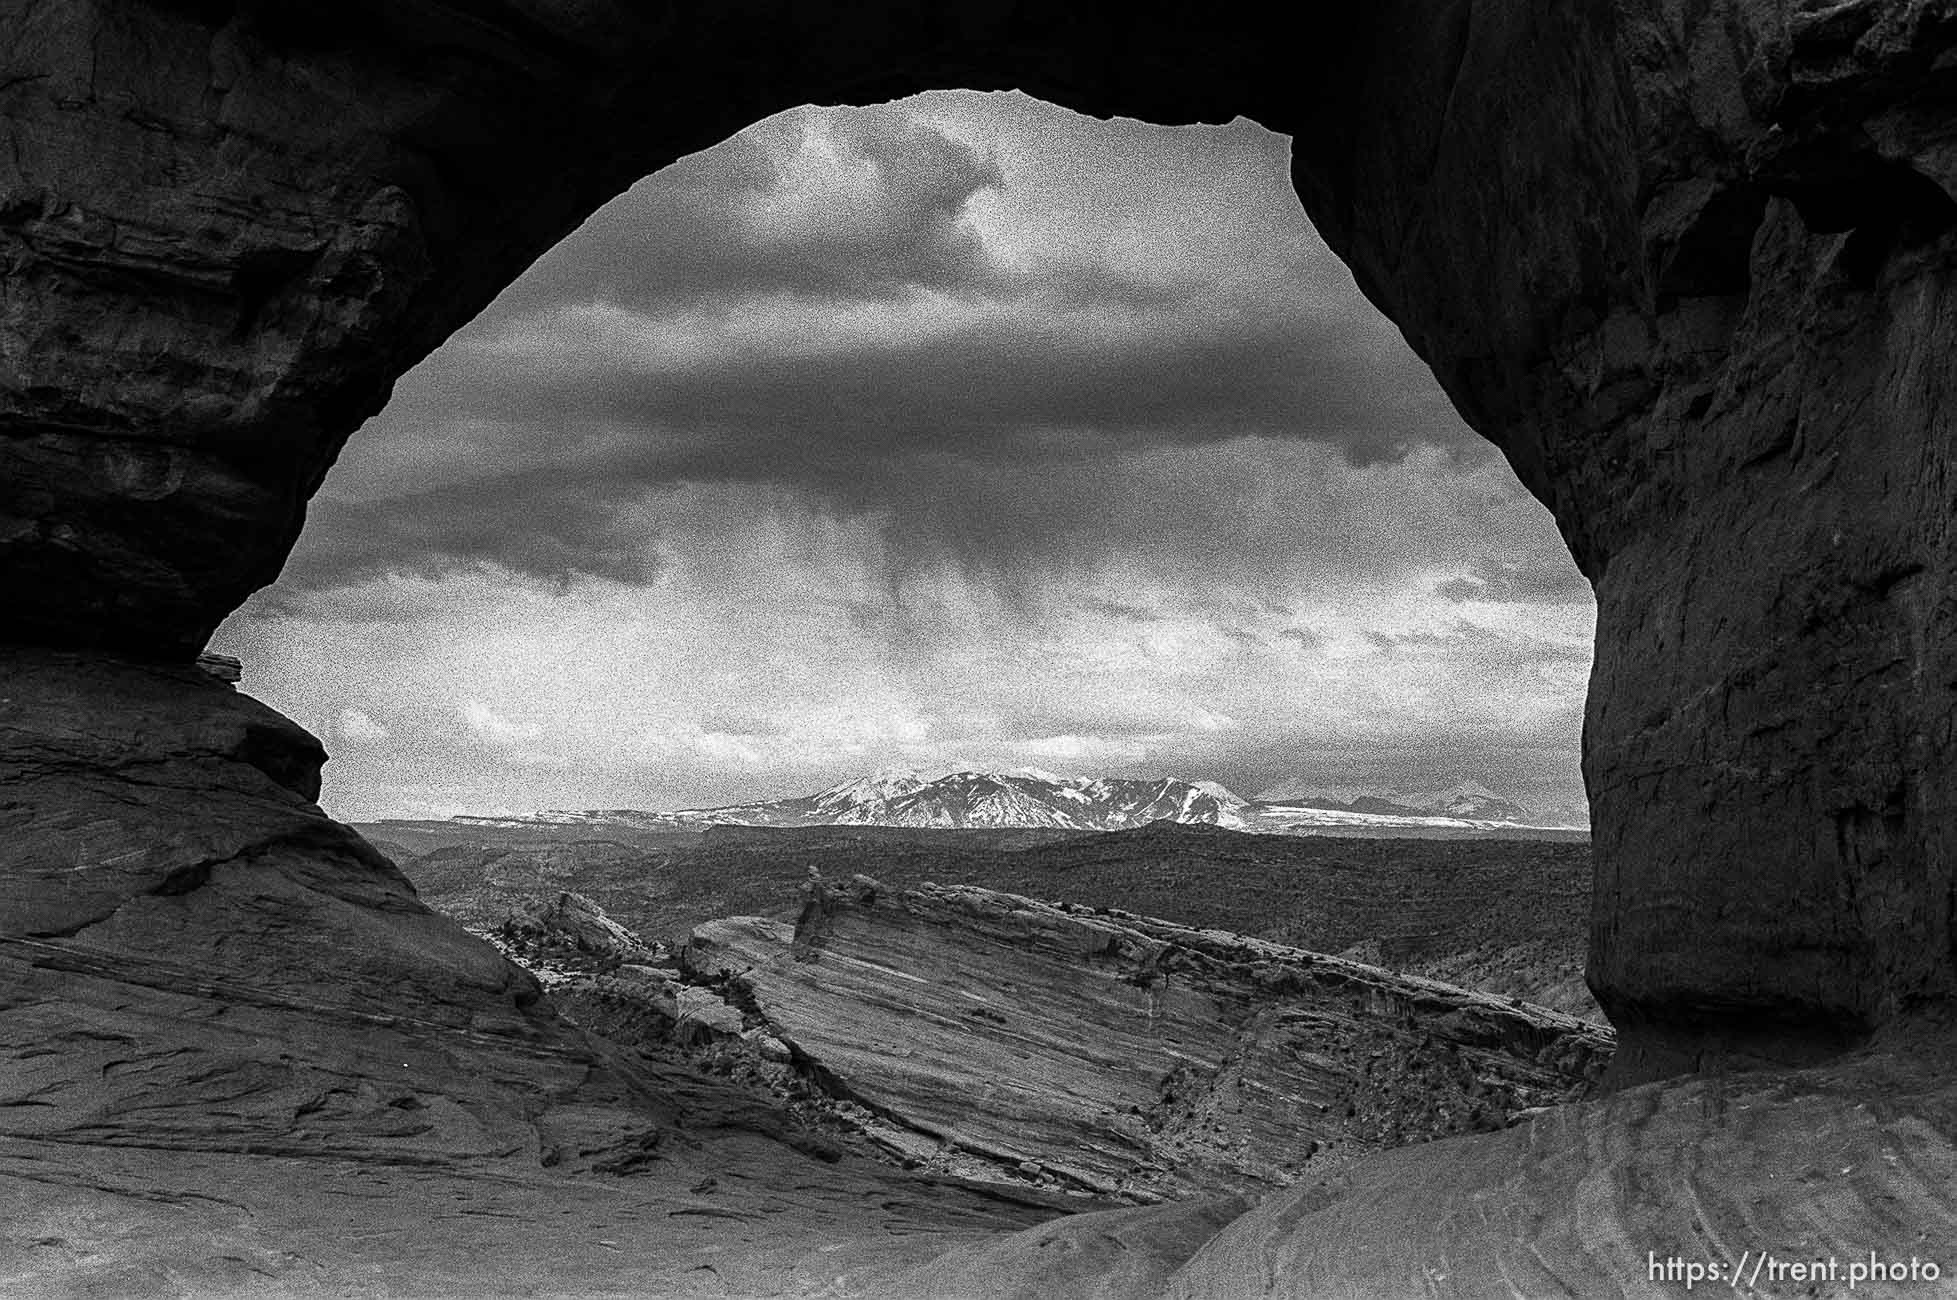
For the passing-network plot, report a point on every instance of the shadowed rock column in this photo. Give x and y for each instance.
(1693, 273)
(1769, 730)
(1769, 736)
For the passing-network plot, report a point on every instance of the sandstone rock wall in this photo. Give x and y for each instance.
(1689, 265)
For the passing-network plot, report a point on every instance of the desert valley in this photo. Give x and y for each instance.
(1015, 997)
(1179, 1000)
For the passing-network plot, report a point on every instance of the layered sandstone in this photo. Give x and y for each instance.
(567, 925)
(197, 959)
(237, 1052)
(1123, 1055)
(1851, 1163)
(1504, 916)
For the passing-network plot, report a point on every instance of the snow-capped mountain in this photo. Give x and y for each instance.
(1029, 797)
(851, 798)
(895, 797)
(1464, 800)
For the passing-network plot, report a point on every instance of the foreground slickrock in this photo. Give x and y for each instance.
(1845, 1162)
(736, 1216)
(1124, 1055)
(236, 1050)
(198, 958)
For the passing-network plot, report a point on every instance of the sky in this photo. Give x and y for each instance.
(960, 432)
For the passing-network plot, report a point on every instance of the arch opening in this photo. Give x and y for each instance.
(962, 432)
(222, 268)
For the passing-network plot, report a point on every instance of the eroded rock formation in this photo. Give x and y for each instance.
(1127, 1056)
(236, 1052)
(197, 958)
(568, 925)
(1504, 917)
(1688, 264)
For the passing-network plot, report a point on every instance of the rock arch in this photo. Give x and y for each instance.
(1690, 267)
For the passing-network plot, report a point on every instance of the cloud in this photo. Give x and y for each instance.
(492, 726)
(844, 300)
(853, 203)
(358, 727)
(781, 645)
(557, 461)
(958, 432)
(1546, 580)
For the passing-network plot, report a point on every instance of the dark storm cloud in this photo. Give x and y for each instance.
(812, 304)
(998, 383)
(546, 524)
(869, 427)
(1244, 517)
(1121, 610)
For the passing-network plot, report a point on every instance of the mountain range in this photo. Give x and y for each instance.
(1466, 799)
(1028, 797)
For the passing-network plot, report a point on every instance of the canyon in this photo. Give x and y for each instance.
(1687, 265)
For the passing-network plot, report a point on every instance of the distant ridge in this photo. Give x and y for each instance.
(1030, 798)
(1470, 800)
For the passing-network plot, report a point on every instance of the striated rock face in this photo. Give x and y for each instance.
(238, 1055)
(196, 958)
(225, 668)
(1123, 1055)
(1505, 917)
